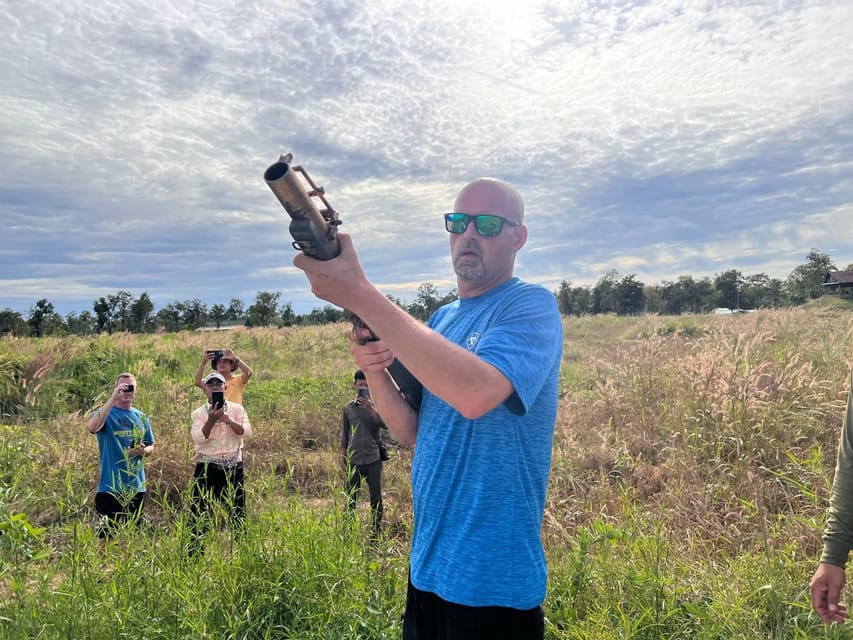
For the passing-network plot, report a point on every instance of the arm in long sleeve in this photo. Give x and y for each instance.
(838, 536)
(238, 420)
(199, 420)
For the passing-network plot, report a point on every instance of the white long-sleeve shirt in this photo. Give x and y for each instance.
(223, 447)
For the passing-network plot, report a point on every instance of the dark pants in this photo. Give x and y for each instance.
(429, 617)
(214, 486)
(115, 510)
(373, 474)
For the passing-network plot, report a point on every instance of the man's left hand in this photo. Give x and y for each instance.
(826, 586)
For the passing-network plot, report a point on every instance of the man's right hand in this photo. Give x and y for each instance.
(826, 585)
(118, 390)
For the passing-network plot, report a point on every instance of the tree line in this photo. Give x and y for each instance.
(122, 312)
(625, 295)
(613, 293)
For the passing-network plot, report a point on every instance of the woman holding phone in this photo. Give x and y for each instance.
(217, 432)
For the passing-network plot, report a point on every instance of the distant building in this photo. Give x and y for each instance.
(725, 311)
(839, 283)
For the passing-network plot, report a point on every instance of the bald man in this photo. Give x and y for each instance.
(489, 363)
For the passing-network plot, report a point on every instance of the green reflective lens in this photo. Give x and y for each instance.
(488, 225)
(456, 222)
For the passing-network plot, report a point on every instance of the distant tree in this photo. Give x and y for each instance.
(604, 293)
(193, 313)
(264, 312)
(120, 304)
(563, 294)
(169, 317)
(38, 318)
(574, 301)
(103, 318)
(805, 282)
(654, 298)
(329, 314)
(701, 298)
(43, 319)
(235, 309)
(673, 298)
(426, 301)
(771, 295)
(288, 317)
(80, 325)
(687, 295)
(140, 314)
(727, 285)
(332, 314)
(618, 294)
(218, 313)
(759, 291)
(582, 300)
(13, 323)
(629, 296)
(113, 312)
(314, 317)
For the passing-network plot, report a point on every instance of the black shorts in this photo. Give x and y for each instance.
(113, 511)
(429, 617)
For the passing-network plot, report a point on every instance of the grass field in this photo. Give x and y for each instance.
(691, 468)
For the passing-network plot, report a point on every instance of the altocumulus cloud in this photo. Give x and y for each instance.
(657, 138)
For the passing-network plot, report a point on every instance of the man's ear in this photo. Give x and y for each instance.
(521, 237)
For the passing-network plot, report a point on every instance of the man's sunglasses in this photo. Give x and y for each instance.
(486, 224)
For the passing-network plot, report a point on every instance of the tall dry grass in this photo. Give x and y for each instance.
(691, 467)
(721, 426)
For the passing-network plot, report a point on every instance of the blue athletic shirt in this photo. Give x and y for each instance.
(479, 485)
(123, 429)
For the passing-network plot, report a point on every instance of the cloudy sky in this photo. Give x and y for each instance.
(656, 138)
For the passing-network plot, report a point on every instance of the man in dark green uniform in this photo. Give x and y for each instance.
(362, 447)
(828, 580)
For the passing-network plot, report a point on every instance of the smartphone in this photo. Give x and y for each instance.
(217, 399)
(363, 393)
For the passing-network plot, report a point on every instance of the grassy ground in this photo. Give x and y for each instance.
(692, 461)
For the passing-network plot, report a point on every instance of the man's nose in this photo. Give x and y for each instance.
(470, 230)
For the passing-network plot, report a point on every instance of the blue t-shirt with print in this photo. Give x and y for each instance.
(479, 485)
(123, 429)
